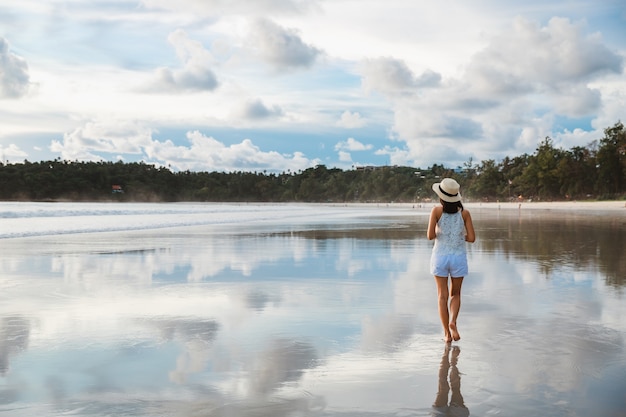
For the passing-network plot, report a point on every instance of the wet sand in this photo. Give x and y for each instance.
(316, 315)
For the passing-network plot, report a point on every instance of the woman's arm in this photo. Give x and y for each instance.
(432, 222)
(469, 227)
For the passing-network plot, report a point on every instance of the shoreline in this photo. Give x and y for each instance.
(586, 206)
(555, 205)
(610, 205)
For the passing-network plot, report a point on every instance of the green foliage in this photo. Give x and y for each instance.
(611, 161)
(597, 171)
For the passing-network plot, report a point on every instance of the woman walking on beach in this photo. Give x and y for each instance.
(451, 226)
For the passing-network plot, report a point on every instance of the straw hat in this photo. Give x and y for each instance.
(448, 190)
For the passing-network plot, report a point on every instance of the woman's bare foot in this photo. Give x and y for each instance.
(447, 338)
(454, 332)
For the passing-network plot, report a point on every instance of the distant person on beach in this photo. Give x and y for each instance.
(451, 226)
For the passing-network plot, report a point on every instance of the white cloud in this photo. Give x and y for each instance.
(12, 153)
(211, 8)
(352, 144)
(97, 140)
(428, 78)
(208, 154)
(196, 74)
(102, 137)
(397, 156)
(387, 75)
(542, 60)
(508, 97)
(391, 76)
(256, 110)
(14, 77)
(474, 80)
(281, 48)
(350, 120)
(577, 101)
(613, 103)
(345, 156)
(576, 137)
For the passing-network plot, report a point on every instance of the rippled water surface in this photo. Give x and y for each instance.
(297, 310)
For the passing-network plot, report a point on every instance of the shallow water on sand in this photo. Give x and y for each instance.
(225, 310)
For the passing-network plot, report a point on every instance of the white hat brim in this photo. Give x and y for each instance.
(450, 199)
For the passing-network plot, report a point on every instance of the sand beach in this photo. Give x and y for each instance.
(309, 310)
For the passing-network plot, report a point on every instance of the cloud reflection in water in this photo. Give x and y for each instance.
(324, 321)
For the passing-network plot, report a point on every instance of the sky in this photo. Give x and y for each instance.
(285, 85)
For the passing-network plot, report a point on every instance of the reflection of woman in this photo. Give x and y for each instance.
(456, 407)
(451, 226)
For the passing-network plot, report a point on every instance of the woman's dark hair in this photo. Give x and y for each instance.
(451, 207)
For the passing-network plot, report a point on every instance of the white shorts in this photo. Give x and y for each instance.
(449, 265)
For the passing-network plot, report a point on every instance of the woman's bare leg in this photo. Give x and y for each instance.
(455, 306)
(444, 315)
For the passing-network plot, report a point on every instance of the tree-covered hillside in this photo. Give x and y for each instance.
(597, 171)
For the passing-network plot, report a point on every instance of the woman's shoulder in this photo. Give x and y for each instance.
(436, 213)
(437, 210)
